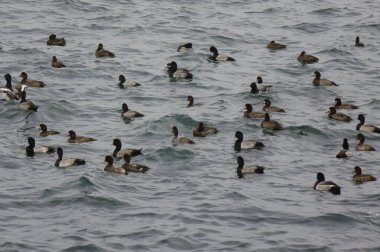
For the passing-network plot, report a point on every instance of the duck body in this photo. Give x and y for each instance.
(180, 139)
(366, 127)
(127, 83)
(24, 104)
(128, 167)
(111, 168)
(273, 45)
(185, 47)
(241, 170)
(190, 99)
(219, 57)
(54, 41)
(322, 185)
(307, 58)
(241, 144)
(32, 149)
(270, 124)
(269, 108)
(339, 105)
(74, 138)
(64, 163)
(30, 83)
(317, 81)
(45, 132)
(203, 131)
(360, 178)
(345, 152)
(57, 64)
(361, 146)
(103, 53)
(129, 114)
(249, 113)
(338, 116)
(358, 43)
(178, 73)
(118, 152)
(8, 93)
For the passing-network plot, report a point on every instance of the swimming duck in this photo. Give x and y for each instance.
(111, 168)
(73, 138)
(338, 116)
(190, 99)
(53, 40)
(307, 58)
(31, 149)
(268, 108)
(360, 178)
(118, 152)
(247, 144)
(322, 82)
(124, 83)
(102, 53)
(185, 47)
(24, 104)
(273, 45)
(129, 113)
(219, 57)
(180, 139)
(175, 72)
(57, 64)
(345, 152)
(128, 167)
(340, 105)
(270, 124)
(322, 185)
(252, 114)
(67, 162)
(30, 83)
(241, 170)
(203, 131)
(361, 146)
(8, 93)
(358, 43)
(366, 127)
(262, 87)
(45, 132)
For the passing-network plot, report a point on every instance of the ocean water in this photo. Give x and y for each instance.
(191, 198)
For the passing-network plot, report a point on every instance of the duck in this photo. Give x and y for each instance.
(53, 40)
(360, 178)
(358, 43)
(270, 124)
(219, 57)
(240, 144)
(24, 104)
(338, 116)
(185, 47)
(203, 131)
(317, 81)
(124, 83)
(361, 146)
(30, 83)
(339, 105)
(273, 45)
(307, 58)
(241, 170)
(8, 93)
(118, 152)
(262, 88)
(268, 108)
(180, 139)
(249, 113)
(64, 163)
(179, 73)
(322, 185)
(128, 167)
(345, 152)
(366, 127)
(45, 132)
(190, 99)
(57, 64)
(129, 114)
(111, 168)
(73, 138)
(31, 149)
(103, 53)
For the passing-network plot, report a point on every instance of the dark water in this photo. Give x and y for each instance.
(191, 198)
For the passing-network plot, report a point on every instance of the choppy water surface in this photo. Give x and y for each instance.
(191, 198)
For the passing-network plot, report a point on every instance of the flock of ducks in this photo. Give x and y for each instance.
(173, 71)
